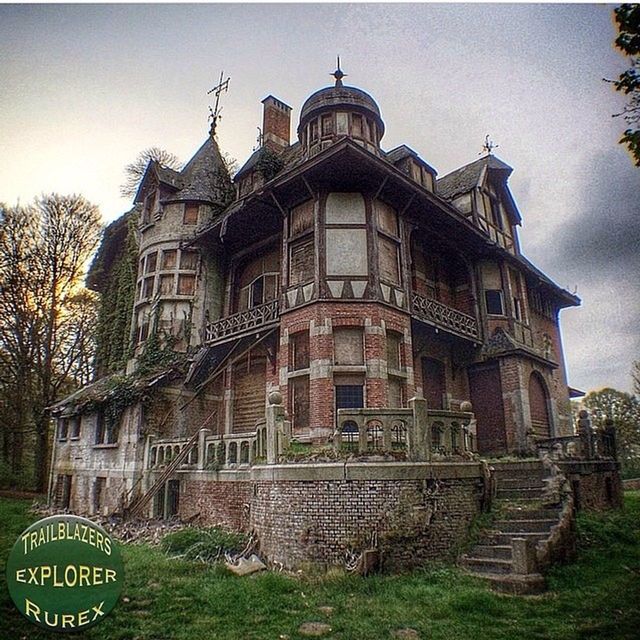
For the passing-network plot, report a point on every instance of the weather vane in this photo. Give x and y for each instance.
(259, 139)
(488, 146)
(338, 74)
(214, 114)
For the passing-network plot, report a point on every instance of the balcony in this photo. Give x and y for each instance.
(243, 323)
(443, 317)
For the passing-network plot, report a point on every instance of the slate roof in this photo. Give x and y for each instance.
(403, 151)
(200, 178)
(466, 178)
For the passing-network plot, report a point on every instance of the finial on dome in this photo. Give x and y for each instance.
(338, 74)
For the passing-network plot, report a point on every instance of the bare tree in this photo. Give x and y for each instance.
(135, 170)
(45, 318)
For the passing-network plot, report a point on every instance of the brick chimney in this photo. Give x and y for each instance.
(276, 124)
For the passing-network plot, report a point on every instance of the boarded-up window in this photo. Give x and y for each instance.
(169, 259)
(299, 399)
(301, 261)
(387, 218)
(388, 260)
(152, 258)
(394, 342)
(186, 284)
(301, 218)
(356, 125)
(348, 346)
(191, 213)
(166, 285)
(396, 393)
(347, 252)
(189, 260)
(299, 350)
(327, 125)
(345, 208)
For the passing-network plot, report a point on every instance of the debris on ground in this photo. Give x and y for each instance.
(246, 566)
(314, 629)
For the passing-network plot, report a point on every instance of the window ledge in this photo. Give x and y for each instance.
(299, 372)
(110, 445)
(349, 368)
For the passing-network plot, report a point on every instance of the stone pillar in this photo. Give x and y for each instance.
(202, 450)
(275, 418)
(523, 556)
(419, 434)
(586, 435)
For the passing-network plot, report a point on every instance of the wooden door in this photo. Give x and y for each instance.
(539, 407)
(433, 383)
(486, 397)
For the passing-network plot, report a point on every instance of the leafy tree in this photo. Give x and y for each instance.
(47, 319)
(627, 17)
(624, 409)
(135, 171)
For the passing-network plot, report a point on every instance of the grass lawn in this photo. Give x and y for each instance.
(597, 596)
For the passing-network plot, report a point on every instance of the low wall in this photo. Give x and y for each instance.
(316, 513)
(596, 485)
(632, 484)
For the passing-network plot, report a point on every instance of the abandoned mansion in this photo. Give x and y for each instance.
(324, 349)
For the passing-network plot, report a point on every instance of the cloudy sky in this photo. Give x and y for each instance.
(84, 88)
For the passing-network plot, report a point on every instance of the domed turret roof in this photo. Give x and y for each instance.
(340, 96)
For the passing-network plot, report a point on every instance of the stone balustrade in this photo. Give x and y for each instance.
(452, 433)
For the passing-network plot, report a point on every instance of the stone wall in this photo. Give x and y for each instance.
(596, 485)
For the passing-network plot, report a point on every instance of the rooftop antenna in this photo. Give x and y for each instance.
(488, 146)
(338, 74)
(214, 114)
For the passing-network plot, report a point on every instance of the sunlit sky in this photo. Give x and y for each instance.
(84, 88)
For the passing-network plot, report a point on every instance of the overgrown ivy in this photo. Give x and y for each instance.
(269, 164)
(116, 307)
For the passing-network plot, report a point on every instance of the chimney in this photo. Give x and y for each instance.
(276, 124)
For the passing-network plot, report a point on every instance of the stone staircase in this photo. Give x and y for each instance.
(525, 523)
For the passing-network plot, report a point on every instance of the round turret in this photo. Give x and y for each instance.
(340, 111)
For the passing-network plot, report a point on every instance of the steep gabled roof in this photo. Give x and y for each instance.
(163, 175)
(468, 177)
(403, 151)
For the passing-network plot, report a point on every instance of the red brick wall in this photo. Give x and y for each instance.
(224, 503)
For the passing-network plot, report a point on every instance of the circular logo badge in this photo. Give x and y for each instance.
(65, 573)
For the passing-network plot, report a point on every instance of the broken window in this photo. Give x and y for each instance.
(327, 126)
(106, 429)
(493, 299)
(356, 125)
(147, 287)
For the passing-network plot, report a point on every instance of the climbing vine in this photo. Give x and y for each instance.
(269, 164)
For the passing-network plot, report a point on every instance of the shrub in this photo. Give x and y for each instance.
(206, 545)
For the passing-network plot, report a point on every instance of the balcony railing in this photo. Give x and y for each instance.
(243, 322)
(444, 317)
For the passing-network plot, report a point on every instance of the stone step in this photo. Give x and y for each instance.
(514, 469)
(525, 526)
(500, 551)
(516, 513)
(504, 538)
(520, 483)
(486, 565)
(532, 493)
